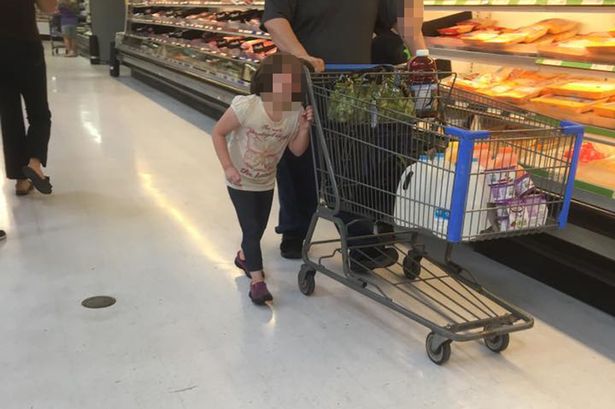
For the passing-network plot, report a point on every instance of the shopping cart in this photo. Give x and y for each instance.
(437, 160)
(55, 34)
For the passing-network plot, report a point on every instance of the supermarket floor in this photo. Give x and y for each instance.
(140, 213)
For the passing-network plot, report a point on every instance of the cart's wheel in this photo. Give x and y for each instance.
(306, 280)
(497, 343)
(438, 355)
(412, 265)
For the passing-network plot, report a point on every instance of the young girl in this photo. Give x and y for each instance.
(261, 126)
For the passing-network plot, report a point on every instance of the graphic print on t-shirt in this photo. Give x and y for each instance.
(258, 144)
(262, 150)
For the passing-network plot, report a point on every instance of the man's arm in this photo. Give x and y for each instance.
(286, 40)
(47, 6)
(410, 24)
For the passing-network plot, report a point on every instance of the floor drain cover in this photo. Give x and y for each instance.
(100, 301)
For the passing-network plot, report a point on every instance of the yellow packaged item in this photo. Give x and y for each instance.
(559, 25)
(603, 46)
(568, 104)
(507, 38)
(533, 33)
(606, 110)
(584, 89)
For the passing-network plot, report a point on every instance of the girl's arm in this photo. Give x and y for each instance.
(301, 140)
(227, 124)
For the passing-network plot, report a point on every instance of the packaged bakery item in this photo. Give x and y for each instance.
(584, 89)
(456, 30)
(478, 37)
(507, 39)
(588, 153)
(606, 109)
(568, 104)
(534, 32)
(519, 95)
(559, 25)
(480, 23)
(606, 45)
(554, 38)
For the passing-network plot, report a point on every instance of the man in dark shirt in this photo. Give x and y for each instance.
(340, 31)
(327, 31)
(23, 75)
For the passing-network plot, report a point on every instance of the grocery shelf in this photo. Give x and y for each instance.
(605, 135)
(583, 188)
(233, 85)
(204, 4)
(587, 6)
(523, 61)
(201, 27)
(576, 65)
(205, 51)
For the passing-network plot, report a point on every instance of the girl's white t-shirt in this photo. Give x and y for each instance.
(258, 145)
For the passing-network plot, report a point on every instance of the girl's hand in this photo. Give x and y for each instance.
(232, 175)
(306, 119)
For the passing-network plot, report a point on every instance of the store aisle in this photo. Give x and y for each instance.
(140, 212)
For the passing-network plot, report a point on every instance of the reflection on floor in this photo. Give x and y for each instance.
(140, 213)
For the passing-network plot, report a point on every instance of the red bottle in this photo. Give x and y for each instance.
(423, 82)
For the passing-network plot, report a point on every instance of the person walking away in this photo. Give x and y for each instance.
(69, 20)
(23, 75)
(335, 32)
(261, 126)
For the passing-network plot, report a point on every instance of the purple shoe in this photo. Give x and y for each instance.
(259, 294)
(241, 264)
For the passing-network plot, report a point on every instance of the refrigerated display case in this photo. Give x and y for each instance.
(202, 50)
(194, 50)
(578, 260)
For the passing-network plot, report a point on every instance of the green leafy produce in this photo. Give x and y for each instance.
(356, 98)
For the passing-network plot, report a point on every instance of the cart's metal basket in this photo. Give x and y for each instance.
(435, 158)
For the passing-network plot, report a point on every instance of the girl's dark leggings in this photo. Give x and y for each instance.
(253, 209)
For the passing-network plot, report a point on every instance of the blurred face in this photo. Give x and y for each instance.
(283, 87)
(286, 83)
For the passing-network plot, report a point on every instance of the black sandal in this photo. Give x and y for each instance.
(43, 185)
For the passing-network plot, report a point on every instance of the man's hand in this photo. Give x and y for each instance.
(317, 63)
(306, 119)
(232, 175)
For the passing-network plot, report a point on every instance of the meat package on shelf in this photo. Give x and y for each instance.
(236, 21)
(559, 96)
(555, 38)
(220, 33)
(563, 96)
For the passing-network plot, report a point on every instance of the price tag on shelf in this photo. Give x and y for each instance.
(603, 67)
(546, 61)
(590, 2)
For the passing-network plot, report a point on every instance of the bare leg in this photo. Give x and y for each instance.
(36, 166)
(67, 46)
